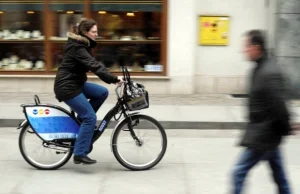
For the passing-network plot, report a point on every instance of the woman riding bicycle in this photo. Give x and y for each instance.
(72, 88)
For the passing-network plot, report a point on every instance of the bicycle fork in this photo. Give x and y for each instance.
(132, 133)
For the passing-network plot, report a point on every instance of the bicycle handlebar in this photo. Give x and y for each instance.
(126, 74)
(116, 90)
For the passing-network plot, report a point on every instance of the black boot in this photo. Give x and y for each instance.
(84, 160)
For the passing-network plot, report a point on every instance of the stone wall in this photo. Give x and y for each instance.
(287, 40)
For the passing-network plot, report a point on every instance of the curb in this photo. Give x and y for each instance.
(166, 124)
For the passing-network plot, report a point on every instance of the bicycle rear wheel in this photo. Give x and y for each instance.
(145, 153)
(40, 155)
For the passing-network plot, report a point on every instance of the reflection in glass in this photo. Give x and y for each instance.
(117, 25)
(21, 25)
(129, 39)
(63, 22)
(21, 40)
(22, 56)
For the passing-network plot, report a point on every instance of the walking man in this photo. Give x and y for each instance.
(268, 116)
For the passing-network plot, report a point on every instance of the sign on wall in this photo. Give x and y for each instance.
(213, 30)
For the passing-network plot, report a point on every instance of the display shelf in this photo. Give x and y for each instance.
(26, 41)
(51, 19)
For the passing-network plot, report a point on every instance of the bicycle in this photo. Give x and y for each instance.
(56, 129)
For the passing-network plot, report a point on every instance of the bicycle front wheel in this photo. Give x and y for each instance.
(40, 155)
(146, 150)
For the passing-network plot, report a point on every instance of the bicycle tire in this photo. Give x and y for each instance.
(115, 147)
(27, 158)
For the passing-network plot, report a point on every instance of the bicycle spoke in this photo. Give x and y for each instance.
(123, 142)
(144, 135)
(139, 151)
(146, 140)
(38, 152)
(153, 146)
(147, 151)
(35, 151)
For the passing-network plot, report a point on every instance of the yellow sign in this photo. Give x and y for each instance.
(214, 30)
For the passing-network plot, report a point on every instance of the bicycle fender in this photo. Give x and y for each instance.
(22, 124)
(117, 125)
(113, 133)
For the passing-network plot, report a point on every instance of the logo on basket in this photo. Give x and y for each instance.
(41, 111)
(35, 111)
(47, 111)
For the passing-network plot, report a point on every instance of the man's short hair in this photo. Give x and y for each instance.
(257, 37)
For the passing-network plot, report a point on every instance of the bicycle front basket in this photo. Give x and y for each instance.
(137, 97)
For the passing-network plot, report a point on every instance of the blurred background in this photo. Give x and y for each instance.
(184, 47)
(33, 33)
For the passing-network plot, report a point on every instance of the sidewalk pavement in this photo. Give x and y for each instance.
(196, 162)
(195, 111)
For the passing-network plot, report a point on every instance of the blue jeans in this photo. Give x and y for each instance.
(250, 158)
(86, 111)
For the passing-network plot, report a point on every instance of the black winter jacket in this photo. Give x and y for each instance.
(268, 114)
(77, 61)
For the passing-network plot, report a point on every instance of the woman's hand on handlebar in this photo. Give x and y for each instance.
(119, 82)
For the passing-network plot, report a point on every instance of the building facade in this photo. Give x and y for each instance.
(163, 35)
